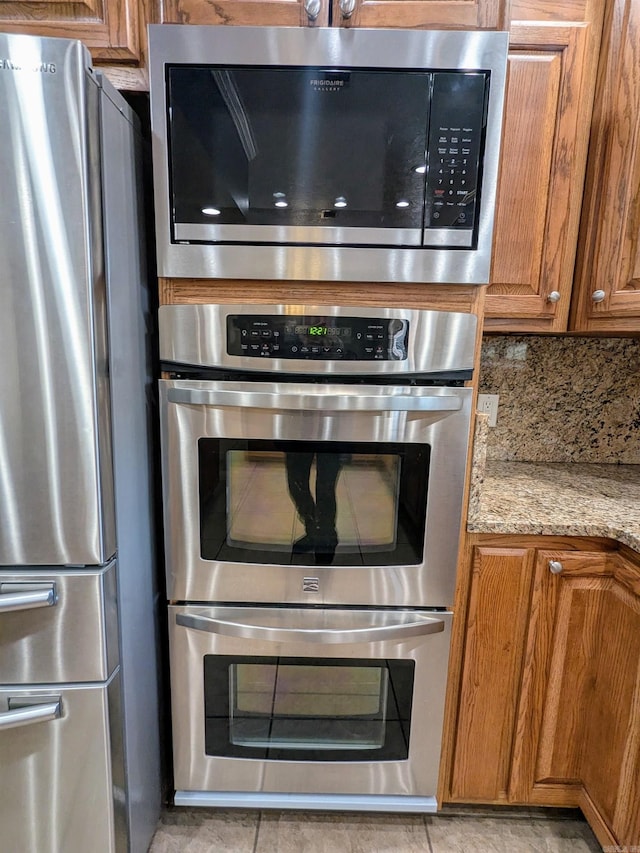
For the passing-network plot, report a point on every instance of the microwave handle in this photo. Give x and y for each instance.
(370, 634)
(357, 402)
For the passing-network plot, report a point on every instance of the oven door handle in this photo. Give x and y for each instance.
(371, 633)
(356, 402)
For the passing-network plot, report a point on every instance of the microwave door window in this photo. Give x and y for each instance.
(290, 502)
(298, 148)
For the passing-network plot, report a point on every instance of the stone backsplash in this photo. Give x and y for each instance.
(563, 399)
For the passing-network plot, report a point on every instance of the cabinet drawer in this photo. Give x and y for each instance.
(55, 789)
(57, 626)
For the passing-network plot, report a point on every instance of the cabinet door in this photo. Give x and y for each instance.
(578, 726)
(109, 28)
(495, 634)
(417, 14)
(607, 286)
(271, 13)
(550, 87)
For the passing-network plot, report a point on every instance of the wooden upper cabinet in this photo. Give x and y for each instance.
(607, 286)
(417, 14)
(109, 28)
(113, 30)
(264, 13)
(550, 87)
(410, 14)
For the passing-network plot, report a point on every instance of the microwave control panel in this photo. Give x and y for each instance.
(456, 132)
(317, 338)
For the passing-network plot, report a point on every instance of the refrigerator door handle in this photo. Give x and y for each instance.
(30, 714)
(34, 596)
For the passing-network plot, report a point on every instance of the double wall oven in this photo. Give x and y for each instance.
(314, 464)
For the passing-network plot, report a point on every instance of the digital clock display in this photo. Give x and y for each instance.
(320, 331)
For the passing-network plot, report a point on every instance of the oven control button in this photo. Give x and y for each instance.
(255, 333)
(304, 349)
(315, 349)
(266, 333)
(294, 348)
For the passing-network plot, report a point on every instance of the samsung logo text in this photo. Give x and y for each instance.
(41, 67)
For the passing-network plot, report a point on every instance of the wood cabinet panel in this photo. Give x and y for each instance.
(609, 254)
(547, 110)
(554, 633)
(418, 14)
(495, 634)
(109, 28)
(553, 624)
(271, 13)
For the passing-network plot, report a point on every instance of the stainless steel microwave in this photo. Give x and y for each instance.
(327, 153)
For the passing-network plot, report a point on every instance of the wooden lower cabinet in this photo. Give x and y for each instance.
(548, 706)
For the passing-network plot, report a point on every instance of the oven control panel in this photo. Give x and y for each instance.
(318, 338)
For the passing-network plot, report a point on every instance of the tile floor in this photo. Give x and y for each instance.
(456, 831)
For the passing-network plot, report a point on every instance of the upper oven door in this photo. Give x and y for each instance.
(315, 494)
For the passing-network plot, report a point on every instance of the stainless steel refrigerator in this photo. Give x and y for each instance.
(79, 734)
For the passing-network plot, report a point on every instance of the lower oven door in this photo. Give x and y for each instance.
(308, 708)
(313, 494)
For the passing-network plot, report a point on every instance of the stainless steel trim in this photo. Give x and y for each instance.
(418, 400)
(447, 237)
(30, 714)
(300, 234)
(439, 341)
(345, 47)
(328, 802)
(308, 626)
(27, 600)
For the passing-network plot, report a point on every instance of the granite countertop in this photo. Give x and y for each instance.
(555, 499)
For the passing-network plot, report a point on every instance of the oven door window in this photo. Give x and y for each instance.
(304, 709)
(293, 503)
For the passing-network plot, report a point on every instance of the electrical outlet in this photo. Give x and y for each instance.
(488, 405)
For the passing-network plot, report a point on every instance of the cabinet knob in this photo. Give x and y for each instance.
(312, 8)
(598, 295)
(347, 7)
(555, 567)
(554, 296)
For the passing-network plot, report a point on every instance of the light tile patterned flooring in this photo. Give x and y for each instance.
(456, 831)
